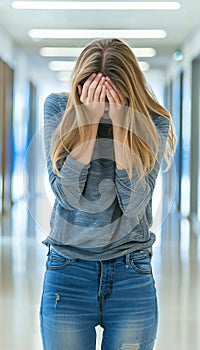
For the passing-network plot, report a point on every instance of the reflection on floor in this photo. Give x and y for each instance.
(176, 265)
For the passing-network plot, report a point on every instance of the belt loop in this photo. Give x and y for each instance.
(127, 259)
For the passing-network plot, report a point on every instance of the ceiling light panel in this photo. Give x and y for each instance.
(69, 66)
(75, 51)
(86, 5)
(61, 65)
(144, 52)
(60, 51)
(92, 33)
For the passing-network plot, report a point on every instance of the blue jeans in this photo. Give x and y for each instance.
(118, 294)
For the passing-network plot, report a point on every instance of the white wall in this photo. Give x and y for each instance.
(190, 49)
(156, 79)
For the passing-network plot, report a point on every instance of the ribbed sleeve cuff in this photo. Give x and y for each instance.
(74, 165)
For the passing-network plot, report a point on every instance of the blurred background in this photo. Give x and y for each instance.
(39, 44)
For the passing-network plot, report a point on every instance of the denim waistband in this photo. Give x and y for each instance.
(126, 257)
(130, 256)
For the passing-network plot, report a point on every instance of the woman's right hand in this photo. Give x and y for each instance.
(92, 95)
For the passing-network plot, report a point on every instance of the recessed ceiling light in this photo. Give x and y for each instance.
(75, 51)
(93, 5)
(178, 56)
(92, 33)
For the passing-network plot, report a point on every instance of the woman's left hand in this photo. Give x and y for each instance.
(117, 113)
(117, 104)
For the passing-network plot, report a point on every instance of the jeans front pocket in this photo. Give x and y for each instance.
(141, 262)
(56, 261)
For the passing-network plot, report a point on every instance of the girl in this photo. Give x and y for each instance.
(104, 143)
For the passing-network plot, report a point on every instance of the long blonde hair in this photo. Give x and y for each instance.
(115, 59)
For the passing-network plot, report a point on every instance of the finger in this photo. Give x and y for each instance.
(109, 80)
(93, 86)
(109, 96)
(111, 84)
(114, 94)
(103, 94)
(79, 89)
(86, 86)
(118, 97)
(98, 90)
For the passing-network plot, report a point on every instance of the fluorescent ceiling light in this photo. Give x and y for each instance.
(92, 5)
(144, 51)
(61, 65)
(69, 66)
(75, 51)
(60, 51)
(144, 66)
(92, 33)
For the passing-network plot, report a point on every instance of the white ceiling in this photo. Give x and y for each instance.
(178, 24)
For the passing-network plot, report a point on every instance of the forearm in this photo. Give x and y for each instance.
(132, 195)
(118, 135)
(69, 185)
(82, 151)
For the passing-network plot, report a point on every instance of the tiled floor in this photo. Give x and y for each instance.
(176, 265)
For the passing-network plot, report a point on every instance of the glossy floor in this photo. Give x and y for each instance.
(176, 265)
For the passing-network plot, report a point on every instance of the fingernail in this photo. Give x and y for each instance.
(100, 74)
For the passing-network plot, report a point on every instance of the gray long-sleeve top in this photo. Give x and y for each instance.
(98, 213)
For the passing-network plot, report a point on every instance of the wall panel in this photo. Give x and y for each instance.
(1, 137)
(6, 99)
(195, 135)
